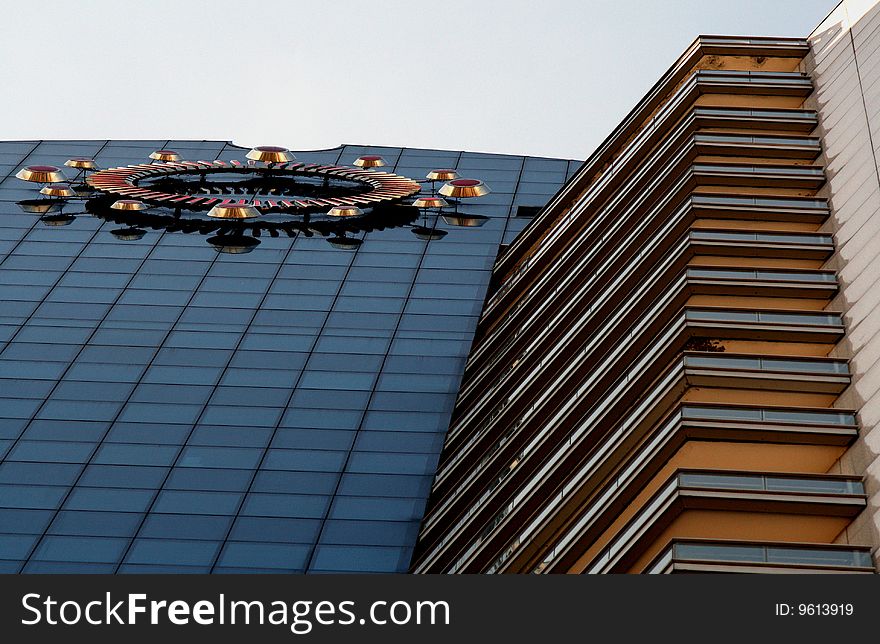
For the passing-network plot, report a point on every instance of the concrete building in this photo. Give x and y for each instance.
(676, 368)
(843, 63)
(661, 360)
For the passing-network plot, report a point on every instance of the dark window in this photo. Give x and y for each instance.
(527, 211)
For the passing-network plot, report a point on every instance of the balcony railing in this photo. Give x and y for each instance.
(766, 145)
(777, 119)
(743, 274)
(832, 321)
(795, 239)
(770, 204)
(769, 415)
(768, 483)
(512, 321)
(834, 489)
(504, 468)
(774, 555)
(799, 82)
(765, 317)
(773, 280)
(704, 80)
(775, 365)
(729, 416)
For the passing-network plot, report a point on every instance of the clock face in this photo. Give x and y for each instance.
(288, 188)
(239, 201)
(246, 200)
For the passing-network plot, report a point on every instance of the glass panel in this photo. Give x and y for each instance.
(820, 417)
(724, 363)
(817, 486)
(820, 557)
(767, 364)
(818, 319)
(838, 557)
(710, 552)
(773, 276)
(723, 315)
(726, 315)
(803, 366)
(725, 413)
(795, 239)
(805, 276)
(722, 235)
(722, 481)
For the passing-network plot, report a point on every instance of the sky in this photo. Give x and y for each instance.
(538, 77)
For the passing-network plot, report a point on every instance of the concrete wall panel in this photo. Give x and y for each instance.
(845, 66)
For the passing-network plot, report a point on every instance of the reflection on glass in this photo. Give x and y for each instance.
(758, 140)
(722, 481)
(812, 485)
(842, 557)
(710, 552)
(775, 276)
(771, 238)
(767, 364)
(807, 485)
(729, 315)
(829, 417)
(780, 78)
(759, 169)
(797, 114)
(761, 202)
(722, 413)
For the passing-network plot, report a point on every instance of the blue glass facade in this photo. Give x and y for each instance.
(168, 408)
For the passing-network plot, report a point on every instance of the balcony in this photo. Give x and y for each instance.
(739, 243)
(779, 373)
(716, 323)
(593, 497)
(643, 168)
(561, 308)
(695, 556)
(700, 82)
(792, 120)
(724, 323)
(469, 441)
(529, 455)
(764, 282)
(799, 177)
(609, 231)
(799, 209)
(767, 146)
(556, 334)
(824, 496)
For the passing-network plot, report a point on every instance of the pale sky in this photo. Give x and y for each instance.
(539, 77)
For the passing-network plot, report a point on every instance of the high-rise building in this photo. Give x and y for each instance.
(170, 402)
(676, 367)
(663, 359)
